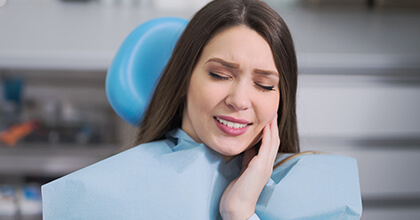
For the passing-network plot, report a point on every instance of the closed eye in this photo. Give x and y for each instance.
(265, 88)
(217, 76)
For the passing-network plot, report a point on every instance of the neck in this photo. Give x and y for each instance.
(227, 158)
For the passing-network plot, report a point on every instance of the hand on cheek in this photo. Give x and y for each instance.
(240, 197)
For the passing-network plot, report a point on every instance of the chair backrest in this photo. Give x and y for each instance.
(135, 69)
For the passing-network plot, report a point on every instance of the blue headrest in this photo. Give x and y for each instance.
(136, 67)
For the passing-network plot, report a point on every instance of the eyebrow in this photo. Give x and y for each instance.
(231, 65)
(266, 72)
(224, 63)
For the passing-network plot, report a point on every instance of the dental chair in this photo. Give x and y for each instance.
(306, 187)
(136, 67)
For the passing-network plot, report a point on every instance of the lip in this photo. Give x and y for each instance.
(229, 130)
(231, 119)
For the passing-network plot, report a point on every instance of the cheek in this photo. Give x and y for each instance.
(203, 97)
(267, 108)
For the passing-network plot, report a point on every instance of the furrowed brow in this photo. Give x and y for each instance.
(225, 63)
(267, 72)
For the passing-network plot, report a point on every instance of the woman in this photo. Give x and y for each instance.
(235, 63)
(228, 89)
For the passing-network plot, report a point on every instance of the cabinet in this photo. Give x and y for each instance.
(70, 118)
(71, 126)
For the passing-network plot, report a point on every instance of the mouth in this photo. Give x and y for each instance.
(231, 125)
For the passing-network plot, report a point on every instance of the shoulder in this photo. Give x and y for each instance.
(144, 178)
(146, 150)
(323, 169)
(128, 158)
(85, 192)
(305, 185)
(325, 160)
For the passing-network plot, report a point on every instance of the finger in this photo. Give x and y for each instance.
(264, 151)
(270, 142)
(274, 138)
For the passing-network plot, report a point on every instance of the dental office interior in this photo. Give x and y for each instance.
(358, 91)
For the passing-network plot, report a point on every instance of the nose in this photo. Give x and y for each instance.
(239, 97)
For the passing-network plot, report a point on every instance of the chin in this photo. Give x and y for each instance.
(231, 153)
(231, 150)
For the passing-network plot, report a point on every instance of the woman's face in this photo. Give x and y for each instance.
(233, 92)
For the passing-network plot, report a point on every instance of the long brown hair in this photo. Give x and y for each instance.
(165, 110)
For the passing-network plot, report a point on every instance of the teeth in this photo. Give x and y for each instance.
(231, 124)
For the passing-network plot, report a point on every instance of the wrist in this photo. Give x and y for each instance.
(236, 212)
(235, 216)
